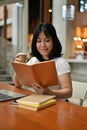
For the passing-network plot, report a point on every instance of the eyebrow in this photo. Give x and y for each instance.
(44, 37)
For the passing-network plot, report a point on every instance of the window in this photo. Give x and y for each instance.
(82, 5)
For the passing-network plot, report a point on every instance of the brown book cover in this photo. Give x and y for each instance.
(35, 99)
(43, 73)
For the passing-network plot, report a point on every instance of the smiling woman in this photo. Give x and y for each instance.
(46, 46)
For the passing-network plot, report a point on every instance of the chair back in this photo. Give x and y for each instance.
(79, 89)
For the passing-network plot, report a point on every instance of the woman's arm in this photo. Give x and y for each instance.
(66, 86)
(15, 80)
(64, 92)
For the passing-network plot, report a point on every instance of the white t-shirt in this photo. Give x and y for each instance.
(62, 65)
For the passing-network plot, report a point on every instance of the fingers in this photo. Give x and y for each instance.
(21, 57)
(41, 89)
(36, 85)
(38, 88)
(17, 59)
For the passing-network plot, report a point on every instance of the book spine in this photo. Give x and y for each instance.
(27, 107)
(46, 105)
(38, 107)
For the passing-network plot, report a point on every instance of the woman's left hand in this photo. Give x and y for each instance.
(40, 89)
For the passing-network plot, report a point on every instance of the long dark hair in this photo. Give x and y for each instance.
(49, 31)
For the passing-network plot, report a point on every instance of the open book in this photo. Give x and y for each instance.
(43, 73)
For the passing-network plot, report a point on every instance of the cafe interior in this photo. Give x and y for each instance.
(18, 18)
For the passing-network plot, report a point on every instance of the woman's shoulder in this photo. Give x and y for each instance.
(60, 60)
(62, 65)
(33, 60)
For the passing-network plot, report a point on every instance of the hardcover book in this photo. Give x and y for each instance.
(35, 99)
(43, 73)
(36, 107)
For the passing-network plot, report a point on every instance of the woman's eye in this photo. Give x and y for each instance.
(38, 40)
(47, 40)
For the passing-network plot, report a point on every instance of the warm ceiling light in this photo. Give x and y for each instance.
(77, 38)
(78, 32)
(50, 10)
(79, 46)
(84, 32)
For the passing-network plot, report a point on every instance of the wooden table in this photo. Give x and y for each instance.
(62, 116)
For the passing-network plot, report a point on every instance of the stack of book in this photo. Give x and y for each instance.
(36, 101)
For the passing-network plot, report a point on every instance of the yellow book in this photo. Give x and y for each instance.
(35, 99)
(36, 107)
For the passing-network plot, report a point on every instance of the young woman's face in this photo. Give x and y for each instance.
(44, 45)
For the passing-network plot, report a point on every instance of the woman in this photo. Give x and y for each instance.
(46, 46)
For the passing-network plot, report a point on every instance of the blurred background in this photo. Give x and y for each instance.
(18, 18)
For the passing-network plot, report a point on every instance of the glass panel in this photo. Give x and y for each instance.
(82, 5)
(6, 38)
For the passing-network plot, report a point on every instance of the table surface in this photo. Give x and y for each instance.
(62, 116)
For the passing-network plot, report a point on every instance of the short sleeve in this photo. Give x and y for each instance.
(33, 60)
(62, 66)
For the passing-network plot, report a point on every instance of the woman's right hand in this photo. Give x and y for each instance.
(17, 59)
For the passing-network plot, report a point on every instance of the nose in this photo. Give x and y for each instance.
(43, 43)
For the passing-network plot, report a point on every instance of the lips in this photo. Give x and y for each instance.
(43, 49)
